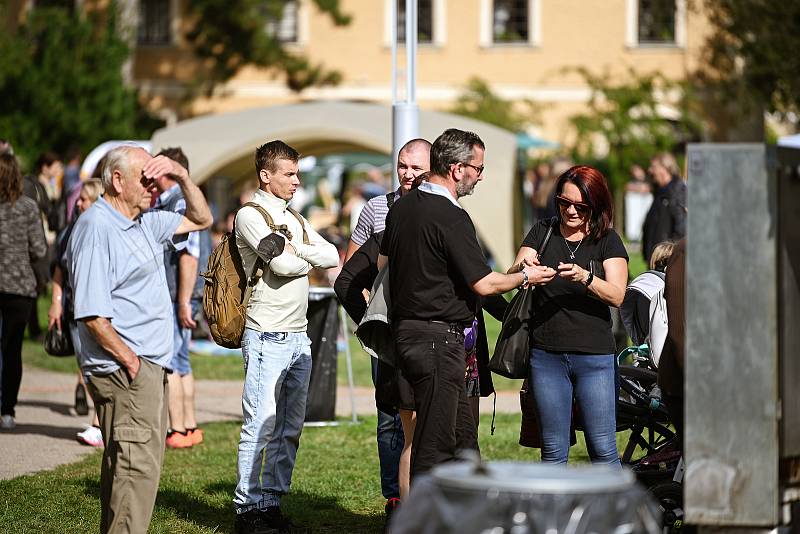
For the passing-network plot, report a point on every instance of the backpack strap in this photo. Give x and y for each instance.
(258, 267)
(389, 199)
(302, 224)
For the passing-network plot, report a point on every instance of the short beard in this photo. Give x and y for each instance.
(463, 189)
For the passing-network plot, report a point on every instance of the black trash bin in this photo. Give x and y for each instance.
(323, 329)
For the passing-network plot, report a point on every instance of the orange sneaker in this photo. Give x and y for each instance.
(176, 440)
(196, 434)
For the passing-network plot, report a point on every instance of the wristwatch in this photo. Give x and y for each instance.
(589, 279)
(524, 280)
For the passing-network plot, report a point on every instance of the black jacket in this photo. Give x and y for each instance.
(666, 219)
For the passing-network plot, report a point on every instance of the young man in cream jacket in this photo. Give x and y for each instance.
(275, 347)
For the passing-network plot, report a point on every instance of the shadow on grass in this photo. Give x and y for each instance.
(311, 513)
(91, 486)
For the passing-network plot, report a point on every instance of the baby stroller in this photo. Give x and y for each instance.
(652, 450)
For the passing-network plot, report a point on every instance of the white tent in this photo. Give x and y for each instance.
(792, 141)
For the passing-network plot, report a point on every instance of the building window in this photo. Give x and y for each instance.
(656, 21)
(155, 22)
(510, 21)
(283, 25)
(424, 21)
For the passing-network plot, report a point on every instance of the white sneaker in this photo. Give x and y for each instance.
(7, 422)
(91, 437)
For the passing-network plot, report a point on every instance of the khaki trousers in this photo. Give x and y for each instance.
(133, 420)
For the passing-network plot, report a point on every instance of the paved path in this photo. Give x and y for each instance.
(46, 422)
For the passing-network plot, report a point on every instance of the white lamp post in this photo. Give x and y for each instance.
(405, 114)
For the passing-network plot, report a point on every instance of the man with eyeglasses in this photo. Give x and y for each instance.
(124, 315)
(436, 268)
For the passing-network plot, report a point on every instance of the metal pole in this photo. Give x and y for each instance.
(394, 52)
(405, 115)
(411, 51)
(350, 384)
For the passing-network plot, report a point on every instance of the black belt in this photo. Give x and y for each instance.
(452, 327)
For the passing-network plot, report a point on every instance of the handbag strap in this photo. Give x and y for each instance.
(550, 225)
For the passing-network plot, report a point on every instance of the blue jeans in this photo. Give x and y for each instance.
(590, 378)
(277, 372)
(390, 445)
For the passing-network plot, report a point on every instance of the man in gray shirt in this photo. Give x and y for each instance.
(124, 316)
(413, 161)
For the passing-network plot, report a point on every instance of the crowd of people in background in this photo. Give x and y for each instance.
(438, 280)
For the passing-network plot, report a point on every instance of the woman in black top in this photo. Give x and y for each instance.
(572, 343)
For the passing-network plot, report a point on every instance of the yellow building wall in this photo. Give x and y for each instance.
(589, 34)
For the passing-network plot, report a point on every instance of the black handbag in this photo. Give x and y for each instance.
(58, 342)
(511, 357)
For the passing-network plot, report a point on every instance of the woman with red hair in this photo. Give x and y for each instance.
(572, 345)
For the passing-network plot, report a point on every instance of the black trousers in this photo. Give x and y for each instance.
(431, 358)
(14, 310)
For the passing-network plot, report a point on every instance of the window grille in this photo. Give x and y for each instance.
(510, 21)
(154, 22)
(656, 21)
(424, 21)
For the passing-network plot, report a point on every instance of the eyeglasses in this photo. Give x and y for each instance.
(580, 207)
(478, 169)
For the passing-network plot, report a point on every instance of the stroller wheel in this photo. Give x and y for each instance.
(669, 496)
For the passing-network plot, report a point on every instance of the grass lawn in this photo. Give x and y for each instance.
(335, 486)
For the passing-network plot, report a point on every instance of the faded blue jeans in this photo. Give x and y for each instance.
(277, 372)
(590, 378)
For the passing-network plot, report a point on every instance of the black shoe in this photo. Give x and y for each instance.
(252, 522)
(81, 406)
(274, 518)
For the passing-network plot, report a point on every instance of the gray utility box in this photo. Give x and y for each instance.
(742, 394)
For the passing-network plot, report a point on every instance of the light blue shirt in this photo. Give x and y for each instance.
(190, 243)
(116, 268)
(440, 190)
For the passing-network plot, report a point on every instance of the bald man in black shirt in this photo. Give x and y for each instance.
(436, 268)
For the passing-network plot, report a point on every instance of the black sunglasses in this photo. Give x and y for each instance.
(580, 207)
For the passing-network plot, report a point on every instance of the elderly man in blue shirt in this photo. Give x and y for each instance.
(124, 316)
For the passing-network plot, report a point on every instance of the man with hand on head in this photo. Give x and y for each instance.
(124, 315)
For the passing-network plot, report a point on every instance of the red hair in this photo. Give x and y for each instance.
(594, 190)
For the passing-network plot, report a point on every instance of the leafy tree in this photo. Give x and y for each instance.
(228, 36)
(479, 102)
(61, 84)
(757, 43)
(623, 119)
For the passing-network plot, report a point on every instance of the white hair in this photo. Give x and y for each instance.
(116, 159)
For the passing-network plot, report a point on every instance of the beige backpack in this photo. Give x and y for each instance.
(227, 287)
